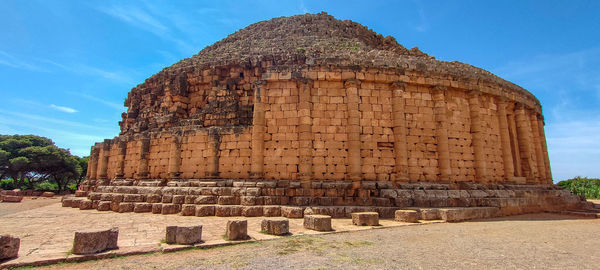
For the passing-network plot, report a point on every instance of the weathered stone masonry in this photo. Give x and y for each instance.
(309, 111)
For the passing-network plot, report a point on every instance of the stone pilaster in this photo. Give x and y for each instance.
(142, 170)
(399, 129)
(537, 147)
(545, 157)
(524, 137)
(120, 169)
(213, 145)
(507, 157)
(441, 133)
(354, 172)
(305, 136)
(103, 161)
(175, 158)
(259, 129)
(478, 139)
(514, 141)
(93, 163)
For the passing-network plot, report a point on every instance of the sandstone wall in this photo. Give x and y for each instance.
(331, 124)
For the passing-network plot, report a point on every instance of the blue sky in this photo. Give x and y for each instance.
(66, 66)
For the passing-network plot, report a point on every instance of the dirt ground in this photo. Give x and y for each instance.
(28, 203)
(543, 241)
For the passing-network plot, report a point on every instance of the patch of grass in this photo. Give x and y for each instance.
(316, 245)
(355, 260)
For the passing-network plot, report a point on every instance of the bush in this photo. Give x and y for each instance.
(589, 187)
(7, 184)
(46, 186)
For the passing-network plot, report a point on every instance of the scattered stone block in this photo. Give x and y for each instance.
(365, 218)
(9, 247)
(48, 194)
(407, 216)
(95, 242)
(184, 235)
(320, 223)
(11, 198)
(156, 208)
(275, 226)
(237, 230)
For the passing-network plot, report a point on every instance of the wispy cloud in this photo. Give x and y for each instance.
(111, 104)
(423, 24)
(12, 61)
(46, 120)
(152, 19)
(63, 108)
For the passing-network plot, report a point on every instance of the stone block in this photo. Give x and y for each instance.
(237, 230)
(11, 198)
(429, 213)
(169, 209)
(96, 241)
(184, 235)
(320, 223)
(188, 210)
(275, 226)
(205, 200)
(271, 211)
(78, 193)
(252, 211)
(85, 205)
(48, 194)
(126, 207)
(9, 247)
(468, 213)
(66, 201)
(142, 207)
(103, 206)
(153, 198)
(228, 210)
(205, 210)
(365, 218)
(292, 212)
(407, 216)
(157, 208)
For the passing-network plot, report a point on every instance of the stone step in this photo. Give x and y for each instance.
(582, 214)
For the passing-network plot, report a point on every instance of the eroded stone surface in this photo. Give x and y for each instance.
(181, 235)
(96, 241)
(275, 226)
(365, 218)
(411, 216)
(237, 230)
(320, 223)
(9, 247)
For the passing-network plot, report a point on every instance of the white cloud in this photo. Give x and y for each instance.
(63, 108)
(111, 104)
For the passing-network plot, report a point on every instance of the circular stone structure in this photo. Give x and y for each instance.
(312, 111)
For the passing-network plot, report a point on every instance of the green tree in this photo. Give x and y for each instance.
(30, 159)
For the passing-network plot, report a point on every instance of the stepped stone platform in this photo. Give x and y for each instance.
(207, 197)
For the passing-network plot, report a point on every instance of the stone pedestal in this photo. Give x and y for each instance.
(237, 230)
(276, 226)
(94, 242)
(184, 235)
(407, 216)
(365, 218)
(320, 223)
(9, 247)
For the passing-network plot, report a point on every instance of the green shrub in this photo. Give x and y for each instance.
(7, 184)
(46, 186)
(589, 187)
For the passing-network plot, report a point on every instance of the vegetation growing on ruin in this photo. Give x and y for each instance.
(34, 162)
(589, 187)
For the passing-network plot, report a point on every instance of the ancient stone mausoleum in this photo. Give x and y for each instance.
(311, 111)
